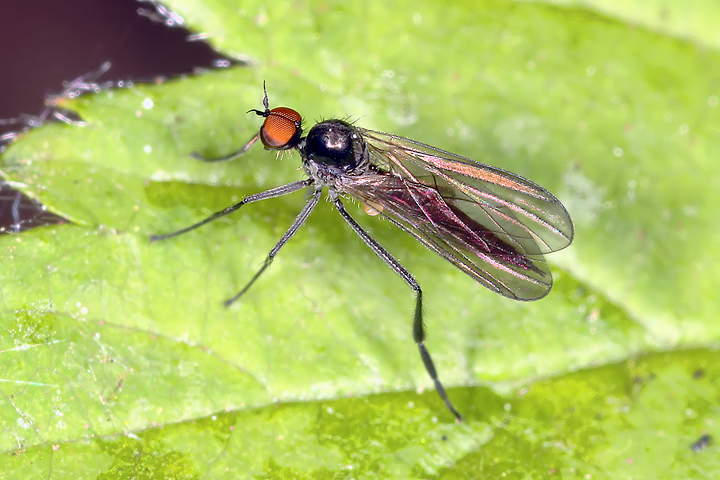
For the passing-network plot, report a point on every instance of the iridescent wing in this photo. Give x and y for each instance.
(491, 224)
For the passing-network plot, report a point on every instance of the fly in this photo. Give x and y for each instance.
(492, 224)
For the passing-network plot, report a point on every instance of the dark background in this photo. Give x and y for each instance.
(46, 43)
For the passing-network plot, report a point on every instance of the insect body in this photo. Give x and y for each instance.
(491, 224)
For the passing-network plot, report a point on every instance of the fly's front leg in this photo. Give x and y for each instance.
(230, 156)
(273, 192)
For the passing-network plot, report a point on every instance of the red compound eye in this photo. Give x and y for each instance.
(281, 129)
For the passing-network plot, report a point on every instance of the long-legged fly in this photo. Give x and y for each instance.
(491, 224)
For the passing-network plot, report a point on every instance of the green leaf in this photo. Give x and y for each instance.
(117, 356)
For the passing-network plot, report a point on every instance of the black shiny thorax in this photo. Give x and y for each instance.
(333, 149)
